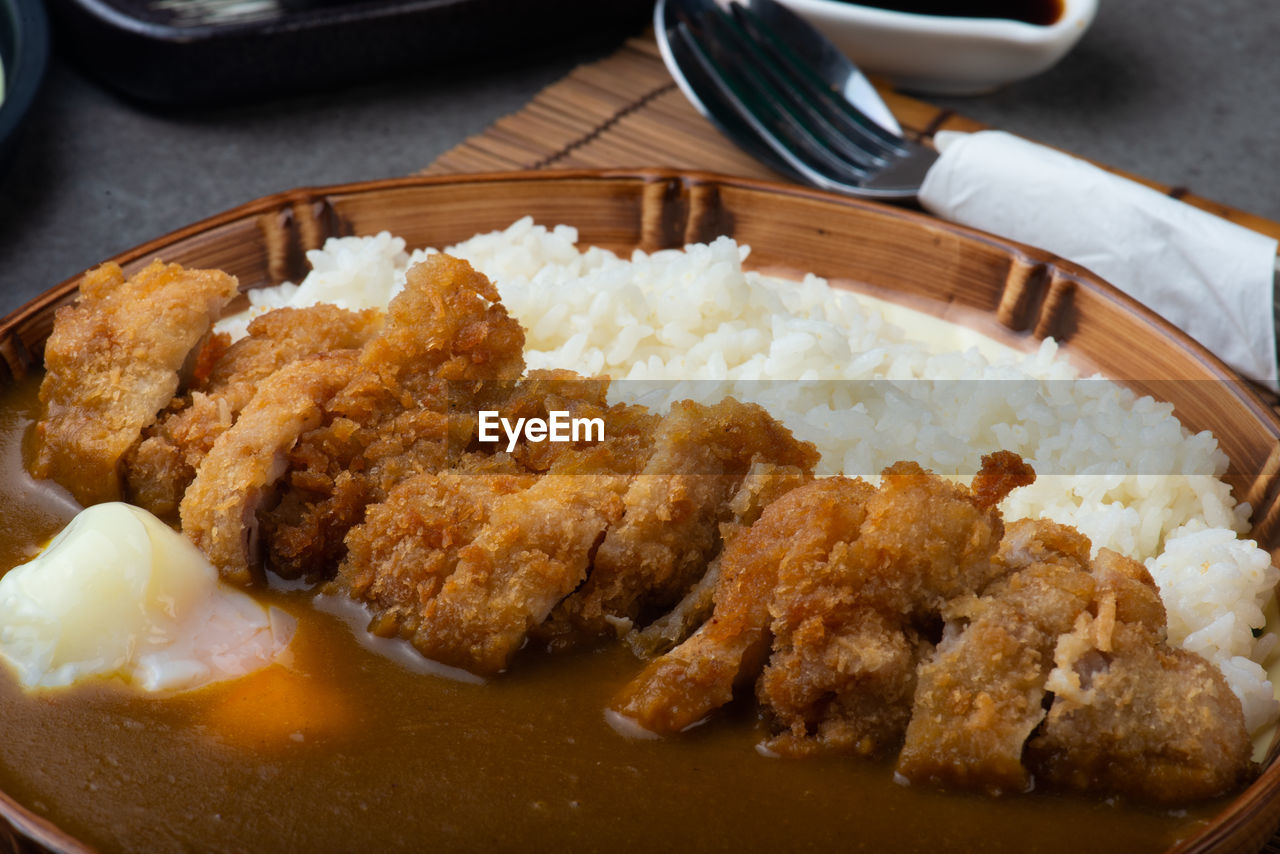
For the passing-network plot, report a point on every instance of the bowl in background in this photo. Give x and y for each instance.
(24, 52)
(945, 54)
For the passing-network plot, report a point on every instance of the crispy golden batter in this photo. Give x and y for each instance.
(764, 484)
(113, 361)
(798, 530)
(1127, 593)
(219, 510)
(841, 681)
(670, 529)
(846, 631)
(925, 541)
(1129, 715)
(409, 545)
(399, 557)
(868, 619)
(336, 470)
(444, 337)
(159, 469)
(1001, 473)
(1030, 541)
(533, 551)
(981, 695)
(447, 324)
(1139, 719)
(855, 578)
(156, 474)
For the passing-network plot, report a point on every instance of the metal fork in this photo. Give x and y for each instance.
(740, 64)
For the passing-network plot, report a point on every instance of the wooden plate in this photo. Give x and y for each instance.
(1015, 293)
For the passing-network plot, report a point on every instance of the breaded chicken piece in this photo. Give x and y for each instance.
(446, 324)
(981, 695)
(336, 471)
(445, 337)
(400, 555)
(1001, 473)
(798, 530)
(219, 510)
(1127, 593)
(670, 529)
(841, 682)
(112, 362)
(1129, 715)
(156, 472)
(846, 631)
(533, 551)
(925, 541)
(830, 568)
(764, 484)
(407, 546)
(1030, 541)
(159, 469)
(1139, 719)
(341, 468)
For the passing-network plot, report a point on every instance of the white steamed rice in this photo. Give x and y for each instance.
(1119, 468)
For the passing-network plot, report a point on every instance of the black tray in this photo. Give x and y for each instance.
(189, 51)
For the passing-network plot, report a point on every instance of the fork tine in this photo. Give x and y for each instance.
(738, 63)
(697, 57)
(835, 109)
(742, 81)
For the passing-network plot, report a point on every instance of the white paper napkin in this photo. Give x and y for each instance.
(1210, 277)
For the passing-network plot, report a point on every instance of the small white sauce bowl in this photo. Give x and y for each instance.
(942, 54)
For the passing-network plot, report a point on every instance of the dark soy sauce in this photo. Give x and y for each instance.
(1041, 12)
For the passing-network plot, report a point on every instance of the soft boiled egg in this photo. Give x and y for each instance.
(120, 594)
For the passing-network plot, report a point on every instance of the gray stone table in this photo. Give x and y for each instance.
(1183, 92)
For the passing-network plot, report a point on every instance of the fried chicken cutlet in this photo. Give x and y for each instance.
(1149, 722)
(981, 694)
(159, 469)
(764, 484)
(113, 361)
(1052, 665)
(409, 544)
(533, 551)
(220, 509)
(804, 581)
(848, 635)
(680, 688)
(1131, 715)
(669, 531)
(866, 619)
(470, 597)
(1128, 714)
(400, 555)
(446, 335)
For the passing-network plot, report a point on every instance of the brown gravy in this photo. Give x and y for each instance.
(352, 749)
(1040, 12)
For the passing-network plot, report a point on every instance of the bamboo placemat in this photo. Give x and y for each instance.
(625, 111)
